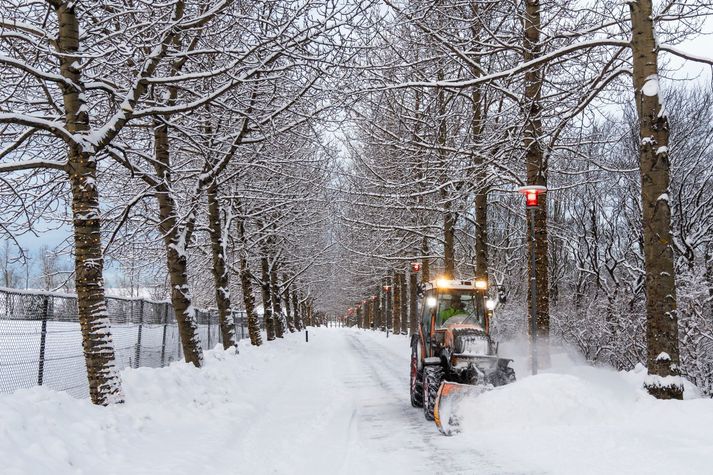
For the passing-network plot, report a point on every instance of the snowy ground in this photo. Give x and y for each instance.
(339, 405)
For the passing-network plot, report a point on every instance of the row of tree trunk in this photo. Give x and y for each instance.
(392, 307)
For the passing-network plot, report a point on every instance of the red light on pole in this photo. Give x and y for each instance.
(415, 266)
(532, 193)
(373, 297)
(387, 288)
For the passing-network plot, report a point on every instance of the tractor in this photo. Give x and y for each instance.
(452, 354)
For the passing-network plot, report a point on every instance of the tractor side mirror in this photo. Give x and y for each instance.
(502, 298)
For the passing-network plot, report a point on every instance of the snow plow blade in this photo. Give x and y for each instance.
(445, 411)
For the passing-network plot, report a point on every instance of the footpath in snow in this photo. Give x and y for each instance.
(339, 405)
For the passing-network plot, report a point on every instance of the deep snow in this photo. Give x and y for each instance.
(339, 404)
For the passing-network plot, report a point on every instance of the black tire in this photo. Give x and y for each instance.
(432, 378)
(416, 379)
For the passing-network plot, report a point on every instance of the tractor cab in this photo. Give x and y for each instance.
(450, 305)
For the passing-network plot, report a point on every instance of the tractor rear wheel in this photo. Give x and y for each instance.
(416, 380)
(432, 378)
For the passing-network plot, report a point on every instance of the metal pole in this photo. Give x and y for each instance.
(43, 342)
(137, 349)
(533, 294)
(163, 337)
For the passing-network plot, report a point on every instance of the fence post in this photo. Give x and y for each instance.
(163, 338)
(43, 341)
(137, 357)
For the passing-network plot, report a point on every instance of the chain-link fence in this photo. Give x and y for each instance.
(41, 341)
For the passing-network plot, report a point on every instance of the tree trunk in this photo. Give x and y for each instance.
(246, 281)
(267, 299)
(481, 225)
(308, 312)
(376, 321)
(176, 236)
(403, 292)
(661, 316)
(481, 176)
(536, 175)
(449, 265)
(388, 305)
(276, 297)
(288, 306)
(103, 378)
(220, 271)
(396, 289)
(425, 262)
(303, 312)
(413, 306)
(298, 315)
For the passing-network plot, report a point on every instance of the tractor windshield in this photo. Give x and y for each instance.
(459, 307)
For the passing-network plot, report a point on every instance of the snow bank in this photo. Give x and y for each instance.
(44, 431)
(177, 420)
(580, 419)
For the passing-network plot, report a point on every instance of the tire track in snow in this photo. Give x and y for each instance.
(390, 420)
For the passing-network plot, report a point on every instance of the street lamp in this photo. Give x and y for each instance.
(532, 193)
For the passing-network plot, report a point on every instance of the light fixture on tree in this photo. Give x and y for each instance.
(532, 194)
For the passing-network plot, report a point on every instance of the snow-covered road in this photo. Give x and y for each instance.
(342, 406)
(339, 405)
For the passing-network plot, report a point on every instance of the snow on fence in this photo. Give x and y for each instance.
(41, 341)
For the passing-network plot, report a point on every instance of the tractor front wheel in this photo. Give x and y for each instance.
(432, 378)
